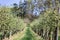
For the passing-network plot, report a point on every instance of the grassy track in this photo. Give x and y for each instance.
(27, 34)
(59, 35)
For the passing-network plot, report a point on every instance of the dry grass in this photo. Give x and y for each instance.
(22, 34)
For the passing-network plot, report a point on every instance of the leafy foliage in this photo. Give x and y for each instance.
(9, 23)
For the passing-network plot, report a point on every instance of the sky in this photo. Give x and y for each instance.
(8, 2)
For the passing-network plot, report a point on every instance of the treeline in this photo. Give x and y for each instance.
(9, 24)
(33, 8)
(47, 26)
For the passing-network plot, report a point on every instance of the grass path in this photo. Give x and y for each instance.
(26, 34)
(59, 35)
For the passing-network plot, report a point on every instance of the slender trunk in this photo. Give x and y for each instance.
(50, 34)
(46, 34)
(10, 34)
(34, 30)
(56, 34)
(43, 32)
(39, 32)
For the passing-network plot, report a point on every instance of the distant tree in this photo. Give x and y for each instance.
(22, 7)
(15, 8)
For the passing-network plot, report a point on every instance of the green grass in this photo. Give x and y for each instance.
(59, 38)
(0, 35)
(28, 34)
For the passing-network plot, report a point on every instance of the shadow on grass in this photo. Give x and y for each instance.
(59, 38)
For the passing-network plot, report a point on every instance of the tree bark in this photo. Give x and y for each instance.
(56, 33)
(49, 34)
(46, 34)
(43, 32)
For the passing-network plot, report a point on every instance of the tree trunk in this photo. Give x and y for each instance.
(46, 34)
(10, 34)
(43, 32)
(49, 34)
(56, 33)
